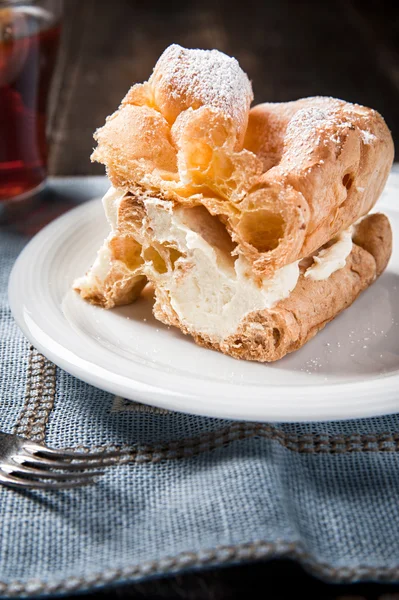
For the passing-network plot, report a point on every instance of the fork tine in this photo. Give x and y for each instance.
(17, 469)
(18, 482)
(39, 461)
(34, 448)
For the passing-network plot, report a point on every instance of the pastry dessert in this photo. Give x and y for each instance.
(251, 224)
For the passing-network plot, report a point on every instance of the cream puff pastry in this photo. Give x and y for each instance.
(249, 223)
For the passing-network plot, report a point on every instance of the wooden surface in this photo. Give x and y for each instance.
(290, 49)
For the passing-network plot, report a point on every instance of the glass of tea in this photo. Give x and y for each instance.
(29, 39)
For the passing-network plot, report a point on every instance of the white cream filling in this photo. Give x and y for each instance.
(111, 201)
(210, 291)
(98, 272)
(95, 277)
(331, 259)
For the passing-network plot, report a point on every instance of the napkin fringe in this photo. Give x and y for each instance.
(39, 402)
(219, 556)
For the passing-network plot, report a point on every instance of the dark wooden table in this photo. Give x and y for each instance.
(290, 49)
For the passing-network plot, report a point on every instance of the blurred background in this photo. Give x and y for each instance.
(289, 48)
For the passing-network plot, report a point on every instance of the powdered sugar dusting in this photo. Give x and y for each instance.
(367, 136)
(204, 77)
(327, 121)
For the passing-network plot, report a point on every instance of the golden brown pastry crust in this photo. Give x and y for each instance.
(333, 156)
(285, 177)
(268, 335)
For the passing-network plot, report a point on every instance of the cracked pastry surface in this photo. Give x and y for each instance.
(236, 214)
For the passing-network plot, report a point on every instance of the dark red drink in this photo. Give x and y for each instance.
(28, 48)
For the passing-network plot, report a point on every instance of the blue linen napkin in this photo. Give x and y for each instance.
(189, 492)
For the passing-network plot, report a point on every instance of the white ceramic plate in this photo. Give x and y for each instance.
(349, 370)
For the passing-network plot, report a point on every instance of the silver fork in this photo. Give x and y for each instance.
(28, 465)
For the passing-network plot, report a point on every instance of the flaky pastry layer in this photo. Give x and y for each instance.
(284, 178)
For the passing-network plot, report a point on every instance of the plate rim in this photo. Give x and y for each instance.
(191, 402)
